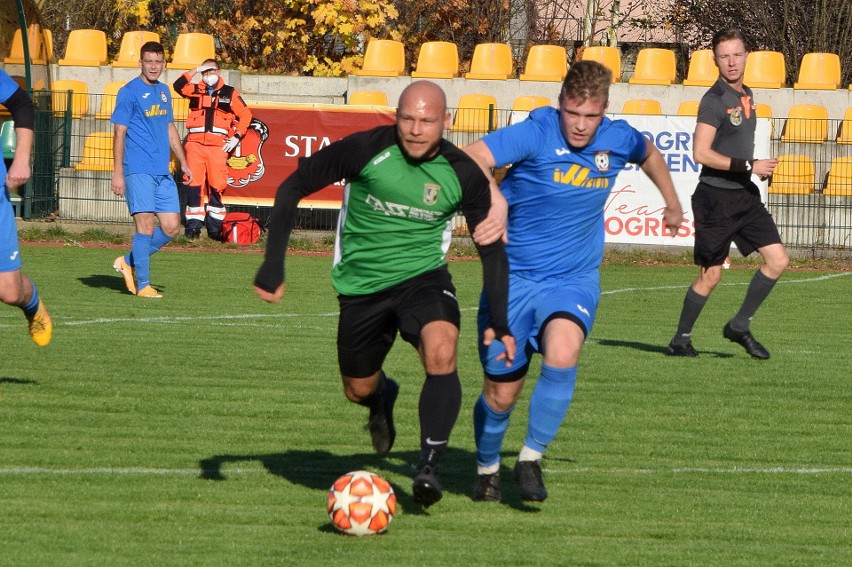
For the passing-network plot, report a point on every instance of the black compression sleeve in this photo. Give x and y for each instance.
(21, 107)
(270, 275)
(495, 283)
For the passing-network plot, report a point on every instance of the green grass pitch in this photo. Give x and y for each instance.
(205, 428)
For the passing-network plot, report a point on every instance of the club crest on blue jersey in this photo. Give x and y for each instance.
(736, 116)
(602, 160)
(163, 97)
(430, 193)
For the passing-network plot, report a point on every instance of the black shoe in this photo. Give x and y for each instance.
(193, 234)
(380, 424)
(747, 341)
(528, 475)
(426, 489)
(686, 349)
(486, 488)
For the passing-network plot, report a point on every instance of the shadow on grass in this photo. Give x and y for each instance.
(318, 469)
(654, 348)
(21, 381)
(115, 282)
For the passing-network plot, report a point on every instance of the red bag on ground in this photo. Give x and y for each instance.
(240, 228)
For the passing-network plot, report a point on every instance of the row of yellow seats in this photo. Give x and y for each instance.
(98, 156)
(796, 175)
(440, 60)
(475, 112)
(88, 48)
(106, 102)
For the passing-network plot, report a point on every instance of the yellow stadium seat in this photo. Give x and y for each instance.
(383, 58)
(641, 106)
(763, 110)
(819, 71)
(191, 49)
(609, 57)
(108, 100)
(765, 70)
(491, 61)
(806, 123)
(85, 48)
(524, 104)
(839, 181)
(545, 63)
(47, 45)
(35, 41)
(473, 114)
(688, 108)
(794, 174)
(180, 105)
(377, 98)
(844, 133)
(437, 60)
(702, 70)
(97, 153)
(654, 67)
(79, 97)
(131, 43)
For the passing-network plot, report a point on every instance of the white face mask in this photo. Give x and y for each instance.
(211, 79)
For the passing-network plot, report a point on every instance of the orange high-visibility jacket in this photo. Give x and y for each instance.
(216, 116)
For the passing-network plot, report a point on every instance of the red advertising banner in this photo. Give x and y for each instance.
(279, 135)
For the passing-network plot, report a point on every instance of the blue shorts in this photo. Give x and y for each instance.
(531, 306)
(147, 193)
(10, 255)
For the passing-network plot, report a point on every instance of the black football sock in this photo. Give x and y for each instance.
(440, 402)
(374, 400)
(758, 290)
(693, 303)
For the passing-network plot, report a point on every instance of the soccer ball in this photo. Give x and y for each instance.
(361, 503)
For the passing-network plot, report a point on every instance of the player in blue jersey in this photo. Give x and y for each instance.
(144, 134)
(564, 162)
(16, 288)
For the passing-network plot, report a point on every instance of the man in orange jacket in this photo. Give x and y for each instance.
(218, 119)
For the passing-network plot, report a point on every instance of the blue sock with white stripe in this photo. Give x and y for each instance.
(549, 404)
(489, 428)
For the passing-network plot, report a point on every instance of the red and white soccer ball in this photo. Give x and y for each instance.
(361, 503)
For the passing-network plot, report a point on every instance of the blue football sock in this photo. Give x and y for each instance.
(549, 404)
(140, 249)
(489, 428)
(31, 308)
(158, 240)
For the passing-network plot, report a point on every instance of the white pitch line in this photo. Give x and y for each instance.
(225, 471)
(15, 322)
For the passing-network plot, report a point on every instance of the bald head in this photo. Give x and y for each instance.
(421, 117)
(423, 93)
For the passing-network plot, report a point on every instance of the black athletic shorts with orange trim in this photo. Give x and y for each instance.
(723, 216)
(369, 323)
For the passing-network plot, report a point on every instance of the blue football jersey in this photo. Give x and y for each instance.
(557, 194)
(146, 110)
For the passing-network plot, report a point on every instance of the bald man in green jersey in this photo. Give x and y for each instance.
(404, 184)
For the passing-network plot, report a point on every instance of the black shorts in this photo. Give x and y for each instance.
(723, 216)
(368, 323)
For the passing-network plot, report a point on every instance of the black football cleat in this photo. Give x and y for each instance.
(380, 424)
(486, 488)
(426, 490)
(530, 483)
(685, 349)
(747, 341)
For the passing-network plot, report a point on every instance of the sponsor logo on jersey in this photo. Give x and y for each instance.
(155, 110)
(563, 152)
(381, 158)
(583, 309)
(602, 160)
(144, 96)
(578, 176)
(396, 210)
(430, 193)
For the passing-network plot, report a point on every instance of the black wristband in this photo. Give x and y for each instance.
(740, 165)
